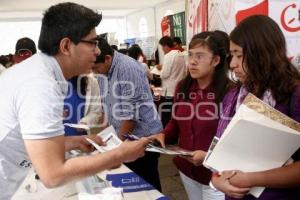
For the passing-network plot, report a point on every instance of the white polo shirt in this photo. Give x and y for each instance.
(31, 107)
(2, 68)
(173, 71)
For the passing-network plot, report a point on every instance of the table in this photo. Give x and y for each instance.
(34, 189)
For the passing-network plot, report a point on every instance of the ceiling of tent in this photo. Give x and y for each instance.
(14, 10)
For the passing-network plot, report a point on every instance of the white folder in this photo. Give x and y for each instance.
(258, 138)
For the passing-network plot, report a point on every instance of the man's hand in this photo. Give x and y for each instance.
(159, 67)
(81, 130)
(80, 143)
(196, 158)
(132, 150)
(127, 126)
(222, 183)
(160, 138)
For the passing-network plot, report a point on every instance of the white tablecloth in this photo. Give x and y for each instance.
(33, 189)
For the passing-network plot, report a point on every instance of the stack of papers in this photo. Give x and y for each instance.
(109, 136)
(258, 138)
(170, 150)
(94, 187)
(81, 126)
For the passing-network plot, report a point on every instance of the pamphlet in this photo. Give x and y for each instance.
(110, 137)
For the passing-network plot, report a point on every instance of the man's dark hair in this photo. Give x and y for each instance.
(115, 47)
(105, 49)
(66, 20)
(166, 41)
(25, 44)
(123, 51)
(4, 60)
(177, 40)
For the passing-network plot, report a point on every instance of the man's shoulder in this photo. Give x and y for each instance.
(31, 67)
(173, 54)
(128, 64)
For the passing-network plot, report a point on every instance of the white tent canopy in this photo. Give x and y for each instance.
(20, 10)
(19, 18)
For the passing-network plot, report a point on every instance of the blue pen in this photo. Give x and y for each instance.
(131, 137)
(153, 144)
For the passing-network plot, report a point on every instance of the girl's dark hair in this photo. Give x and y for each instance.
(220, 81)
(135, 51)
(265, 57)
(83, 83)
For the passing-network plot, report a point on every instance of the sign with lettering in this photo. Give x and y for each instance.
(174, 26)
(285, 13)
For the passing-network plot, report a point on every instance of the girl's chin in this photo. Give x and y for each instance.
(194, 76)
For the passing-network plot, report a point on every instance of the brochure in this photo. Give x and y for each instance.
(110, 137)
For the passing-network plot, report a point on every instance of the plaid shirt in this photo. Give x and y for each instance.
(126, 95)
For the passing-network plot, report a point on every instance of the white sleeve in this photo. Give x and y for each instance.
(39, 107)
(93, 101)
(167, 65)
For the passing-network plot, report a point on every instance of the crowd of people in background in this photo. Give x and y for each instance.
(100, 85)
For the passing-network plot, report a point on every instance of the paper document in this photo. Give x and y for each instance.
(81, 126)
(110, 137)
(169, 150)
(94, 187)
(112, 141)
(257, 138)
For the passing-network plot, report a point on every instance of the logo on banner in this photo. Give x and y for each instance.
(259, 9)
(286, 23)
(166, 26)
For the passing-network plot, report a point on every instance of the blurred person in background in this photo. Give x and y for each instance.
(25, 47)
(178, 44)
(136, 53)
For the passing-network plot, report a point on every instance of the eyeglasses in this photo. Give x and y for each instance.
(92, 42)
(199, 57)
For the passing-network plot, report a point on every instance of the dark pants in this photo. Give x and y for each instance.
(165, 109)
(147, 168)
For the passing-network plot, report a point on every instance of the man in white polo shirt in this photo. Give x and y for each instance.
(31, 106)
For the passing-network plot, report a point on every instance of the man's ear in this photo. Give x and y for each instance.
(65, 46)
(108, 59)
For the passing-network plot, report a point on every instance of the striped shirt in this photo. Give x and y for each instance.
(126, 95)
